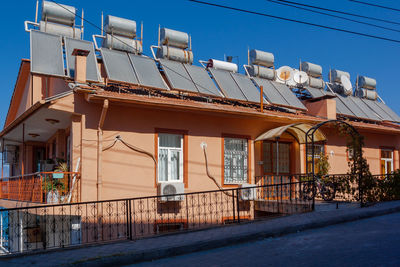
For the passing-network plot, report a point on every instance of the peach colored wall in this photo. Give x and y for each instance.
(127, 173)
(373, 143)
(26, 98)
(324, 108)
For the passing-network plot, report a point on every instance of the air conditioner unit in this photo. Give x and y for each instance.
(171, 188)
(247, 192)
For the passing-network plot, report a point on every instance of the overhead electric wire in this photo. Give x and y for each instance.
(341, 12)
(375, 5)
(296, 21)
(331, 15)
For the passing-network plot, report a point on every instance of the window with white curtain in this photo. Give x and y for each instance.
(235, 160)
(170, 157)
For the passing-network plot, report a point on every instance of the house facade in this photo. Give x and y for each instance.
(120, 138)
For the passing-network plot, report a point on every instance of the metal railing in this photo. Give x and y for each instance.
(42, 187)
(55, 226)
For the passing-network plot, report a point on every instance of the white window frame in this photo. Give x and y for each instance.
(245, 172)
(388, 160)
(169, 155)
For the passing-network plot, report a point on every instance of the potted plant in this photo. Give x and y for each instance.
(52, 187)
(61, 168)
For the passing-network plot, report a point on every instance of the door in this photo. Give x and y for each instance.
(277, 167)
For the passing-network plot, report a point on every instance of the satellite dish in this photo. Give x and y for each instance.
(348, 88)
(300, 77)
(284, 74)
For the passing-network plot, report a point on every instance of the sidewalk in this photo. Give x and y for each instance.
(165, 246)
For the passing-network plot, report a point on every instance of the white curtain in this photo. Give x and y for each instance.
(170, 157)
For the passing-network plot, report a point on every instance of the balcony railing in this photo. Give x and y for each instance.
(42, 187)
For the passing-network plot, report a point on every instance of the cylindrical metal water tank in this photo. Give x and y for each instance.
(222, 65)
(174, 38)
(261, 58)
(175, 54)
(311, 69)
(366, 82)
(369, 94)
(262, 72)
(336, 74)
(123, 44)
(120, 26)
(316, 83)
(58, 13)
(58, 29)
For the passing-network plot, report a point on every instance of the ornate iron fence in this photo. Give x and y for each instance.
(64, 225)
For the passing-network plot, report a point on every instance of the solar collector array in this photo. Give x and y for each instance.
(46, 54)
(227, 85)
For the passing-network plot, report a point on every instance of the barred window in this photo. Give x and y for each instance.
(235, 160)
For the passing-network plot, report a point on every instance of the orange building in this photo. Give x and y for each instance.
(125, 125)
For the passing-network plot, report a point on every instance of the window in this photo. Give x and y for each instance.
(270, 161)
(319, 149)
(386, 161)
(235, 160)
(170, 157)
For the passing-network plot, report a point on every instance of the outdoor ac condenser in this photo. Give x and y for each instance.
(171, 188)
(247, 192)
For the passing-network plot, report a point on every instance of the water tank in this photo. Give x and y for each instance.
(366, 82)
(58, 29)
(58, 13)
(261, 58)
(316, 83)
(123, 44)
(120, 26)
(311, 69)
(262, 72)
(369, 94)
(336, 74)
(175, 54)
(174, 38)
(222, 65)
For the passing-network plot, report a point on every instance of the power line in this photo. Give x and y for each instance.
(375, 5)
(341, 12)
(296, 21)
(335, 16)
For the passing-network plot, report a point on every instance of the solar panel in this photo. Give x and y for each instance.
(315, 93)
(118, 66)
(147, 72)
(46, 54)
(342, 109)
(378, 110)
(247, 87)
(347, 101)
(227, 85)
(371, 115)
(92, 71)
(389, 111)
(177, 76)
(289, 96)
(270, 92)
(202, 80)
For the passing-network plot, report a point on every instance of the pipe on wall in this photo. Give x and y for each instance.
(100, 148)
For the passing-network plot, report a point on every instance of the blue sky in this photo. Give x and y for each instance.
(216, 32)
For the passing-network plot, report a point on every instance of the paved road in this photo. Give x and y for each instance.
(369, 242)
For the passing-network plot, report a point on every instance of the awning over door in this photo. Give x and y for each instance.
(297, 130)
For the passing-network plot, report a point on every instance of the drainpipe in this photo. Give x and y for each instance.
(100, 147)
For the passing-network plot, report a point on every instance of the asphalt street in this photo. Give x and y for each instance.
(368, 242)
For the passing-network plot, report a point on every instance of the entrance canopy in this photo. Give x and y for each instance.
(297, 130)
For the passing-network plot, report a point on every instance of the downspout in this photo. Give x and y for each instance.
(100, 148)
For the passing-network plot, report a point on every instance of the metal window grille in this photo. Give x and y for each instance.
(235, 160)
